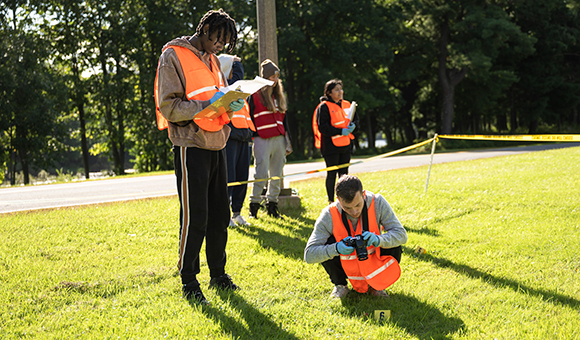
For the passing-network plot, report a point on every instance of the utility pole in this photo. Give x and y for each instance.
(267, 37)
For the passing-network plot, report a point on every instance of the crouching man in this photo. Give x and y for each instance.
(346, 229)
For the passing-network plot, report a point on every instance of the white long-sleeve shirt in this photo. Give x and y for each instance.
(393, 233)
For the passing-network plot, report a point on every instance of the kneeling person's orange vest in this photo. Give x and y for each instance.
(377, 271)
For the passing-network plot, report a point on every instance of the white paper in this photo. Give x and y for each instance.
(350, 111)
(248, 86)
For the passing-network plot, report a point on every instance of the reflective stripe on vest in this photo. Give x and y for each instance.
(337, 119)
(201, 83)
(268, 124)
(241, 119)
(377, 271)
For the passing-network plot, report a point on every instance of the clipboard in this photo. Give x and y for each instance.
(241, 89)
(351, 111)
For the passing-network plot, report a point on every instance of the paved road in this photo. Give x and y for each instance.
(123, 189)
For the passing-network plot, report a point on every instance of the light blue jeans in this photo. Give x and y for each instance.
(269, 160)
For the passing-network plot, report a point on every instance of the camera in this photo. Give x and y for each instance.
(360, 245)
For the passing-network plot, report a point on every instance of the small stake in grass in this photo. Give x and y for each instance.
(382, 315)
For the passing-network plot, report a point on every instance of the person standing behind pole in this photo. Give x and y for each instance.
(238, 146)
(188, 78)
(268, 110)
(333, 132)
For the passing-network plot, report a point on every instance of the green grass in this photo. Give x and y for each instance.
(502, 237)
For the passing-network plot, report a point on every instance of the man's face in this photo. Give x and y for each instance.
(214, 45)
(354, 208)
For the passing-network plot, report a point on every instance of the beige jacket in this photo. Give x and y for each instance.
(177, 109)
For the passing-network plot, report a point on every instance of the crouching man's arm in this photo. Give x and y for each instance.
(317, 250)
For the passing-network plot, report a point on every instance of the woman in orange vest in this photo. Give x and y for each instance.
(238, 145)
(357, 212)
(188, 78)
(333, 132)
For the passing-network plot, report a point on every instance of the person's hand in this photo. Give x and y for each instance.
(342, 248)
(371, 238)
(351, 126)
(237, 105)
(216, 96)
(345, 132)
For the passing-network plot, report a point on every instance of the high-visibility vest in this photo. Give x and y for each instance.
(338, 119)
(241, 119)
(377, 271)
(201, 83)
(268, 124)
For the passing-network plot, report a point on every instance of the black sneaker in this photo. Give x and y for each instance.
(273, 210)
(194, 293)
(223, 282)
(254, 207)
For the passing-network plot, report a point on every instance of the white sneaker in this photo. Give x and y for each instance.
(339, 292)
(232, 223)
(239, 219)
(378, 293)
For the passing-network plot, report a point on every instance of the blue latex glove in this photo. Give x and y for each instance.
(351, 126)
(216, 96)
(342, 248)
(349, 129)
(371, 238)
(237, 105)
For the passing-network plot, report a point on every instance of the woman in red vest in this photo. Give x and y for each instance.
(188, 78)
(333, 132)
(268, 111)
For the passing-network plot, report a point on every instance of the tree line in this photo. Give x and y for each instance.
(76, 77)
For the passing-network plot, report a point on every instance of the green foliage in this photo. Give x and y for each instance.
(501, 263)
(414, 67)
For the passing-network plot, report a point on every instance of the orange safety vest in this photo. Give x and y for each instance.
(201, 83)
(337, 119)
(242, 120)
(377, 271)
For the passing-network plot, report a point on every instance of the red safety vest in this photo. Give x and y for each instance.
(337, 119)
(241, 119)
(201, 83)
(377, 271)
(268, 124)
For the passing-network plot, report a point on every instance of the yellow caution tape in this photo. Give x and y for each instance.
(529, 138)
(521, 138)
(336, 167)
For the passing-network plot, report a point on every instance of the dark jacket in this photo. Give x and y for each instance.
(241, 135)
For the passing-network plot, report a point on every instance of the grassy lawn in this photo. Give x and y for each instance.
(502, 238)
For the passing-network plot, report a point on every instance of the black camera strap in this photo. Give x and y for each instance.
(365, 220)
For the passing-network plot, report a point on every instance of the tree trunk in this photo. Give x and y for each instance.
(448, 78)
(79, 97)
(25, 169)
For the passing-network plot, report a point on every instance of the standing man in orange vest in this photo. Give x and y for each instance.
(188, 79)
(370, 217)
(333, 132)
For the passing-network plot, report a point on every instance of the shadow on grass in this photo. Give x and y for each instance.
(423, 231)
(417, 318)
(250, 326)
(499, 282)
(292, 247)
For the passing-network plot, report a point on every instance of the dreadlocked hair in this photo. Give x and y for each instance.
(221, 22)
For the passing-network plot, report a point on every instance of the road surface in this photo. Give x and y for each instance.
(122, 189)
